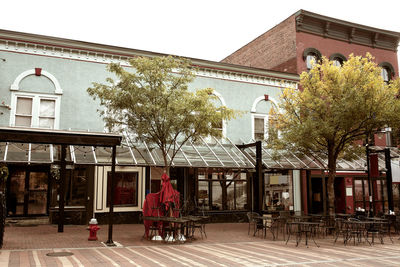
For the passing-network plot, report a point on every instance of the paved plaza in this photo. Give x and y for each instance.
(225, 245)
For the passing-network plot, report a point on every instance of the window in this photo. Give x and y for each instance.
(31, 110)
(221, 190)
(311, 59)
(311, 56)
(387, 71)
(75, 186)
(338, 59)
(379, 193)
(278, 191)
(126, 188)
(260, 127)
(385, 74)
(23, 113)
(218, 126)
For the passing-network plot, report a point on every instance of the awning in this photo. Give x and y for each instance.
(215, 153)
(287, 160)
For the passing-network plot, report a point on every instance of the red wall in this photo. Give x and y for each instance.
(328, 47)
(348, 181)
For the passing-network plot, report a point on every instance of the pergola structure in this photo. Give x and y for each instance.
(63, 139)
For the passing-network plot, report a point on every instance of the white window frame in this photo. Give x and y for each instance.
(35, 107)
(259, 116)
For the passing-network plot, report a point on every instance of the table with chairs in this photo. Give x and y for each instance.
(349, 228)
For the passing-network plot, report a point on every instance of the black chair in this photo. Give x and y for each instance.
(328, 225)
(341, 229)
(251, 216)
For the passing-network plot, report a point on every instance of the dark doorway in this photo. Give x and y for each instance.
(340, 196)
(317, 197)
(27, 191)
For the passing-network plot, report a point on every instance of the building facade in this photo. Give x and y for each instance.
(291, 46)
(43, 85)
(43, 82)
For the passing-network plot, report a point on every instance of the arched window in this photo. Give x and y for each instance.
(261, 118)
(338, 59)
(311, 56)
(32, 106)
(219, 126)
(387, 71)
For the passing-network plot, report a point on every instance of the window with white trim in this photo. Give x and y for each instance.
(385, 74)
(35, 110)
(260, 127)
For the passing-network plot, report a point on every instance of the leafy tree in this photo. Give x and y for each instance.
(334, 109)
(152, 105)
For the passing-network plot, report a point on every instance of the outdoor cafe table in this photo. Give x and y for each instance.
(174, 223)
(309, 229)
(302, 218)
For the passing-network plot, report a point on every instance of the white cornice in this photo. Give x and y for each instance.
(217, 71)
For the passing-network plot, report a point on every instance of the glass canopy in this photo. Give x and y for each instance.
(202, 154)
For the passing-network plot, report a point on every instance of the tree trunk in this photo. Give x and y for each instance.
(224, 194)
(330, 185)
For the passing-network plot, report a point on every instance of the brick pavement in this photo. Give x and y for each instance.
(226, 245)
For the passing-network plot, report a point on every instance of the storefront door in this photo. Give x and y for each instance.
(27, 189)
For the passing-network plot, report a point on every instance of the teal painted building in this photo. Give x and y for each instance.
(43, 82)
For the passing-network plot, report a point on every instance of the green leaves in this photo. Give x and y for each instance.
(152, 102)
(335, 107)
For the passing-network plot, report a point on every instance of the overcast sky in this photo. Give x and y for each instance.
(206, 29)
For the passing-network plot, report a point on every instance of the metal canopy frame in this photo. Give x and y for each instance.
(218, 153)
(28, 137)
(289, 160)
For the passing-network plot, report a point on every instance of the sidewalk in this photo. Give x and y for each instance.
(76, 236)
(228, 244)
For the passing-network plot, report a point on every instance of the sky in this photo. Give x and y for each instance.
(206, 29)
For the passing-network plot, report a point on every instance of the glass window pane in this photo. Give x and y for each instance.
(22, 121)
(358, 190)
(47, 108)
(241, 195)
(126, 185)
(40, 153)
(17, 152)
(24, 106)
(38, 182)
(77, 188)
(216, 196)
(385, 74)
(259, 125)
(203, 195)
(46, 123)
(311, 60)
(337, 62)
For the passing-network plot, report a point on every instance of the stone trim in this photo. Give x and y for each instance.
(231, 72)
(15, 85)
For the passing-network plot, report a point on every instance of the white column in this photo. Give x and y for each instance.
(296, 190)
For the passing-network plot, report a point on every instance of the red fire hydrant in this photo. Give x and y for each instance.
(93, 228)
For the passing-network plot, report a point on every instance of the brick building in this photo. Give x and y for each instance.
(303, 35)
(290, 47)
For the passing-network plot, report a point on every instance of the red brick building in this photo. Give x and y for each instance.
(286, 46)
(289, 47)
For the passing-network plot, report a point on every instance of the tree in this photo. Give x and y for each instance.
(334, 108)
(151, 104)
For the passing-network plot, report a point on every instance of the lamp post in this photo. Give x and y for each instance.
(388, 165)
(371, 210)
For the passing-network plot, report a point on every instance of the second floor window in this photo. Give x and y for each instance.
(385, 73)
(259, 128)
(311, 59)
(31, 110)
